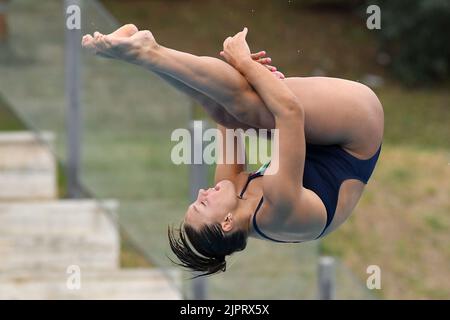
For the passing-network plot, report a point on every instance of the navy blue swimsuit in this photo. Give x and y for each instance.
(326, 167)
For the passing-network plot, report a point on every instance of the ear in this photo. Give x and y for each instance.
(228, 223)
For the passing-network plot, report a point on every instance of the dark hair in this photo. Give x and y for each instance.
(210, 242)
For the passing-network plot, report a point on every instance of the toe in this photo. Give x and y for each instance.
(97, 35)
(88, 43)
(131, 29)
(125, 31)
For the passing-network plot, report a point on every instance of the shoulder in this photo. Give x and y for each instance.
(304, 216)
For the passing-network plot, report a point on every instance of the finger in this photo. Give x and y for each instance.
(245, 31)
(279, 75)
(258, 55)
(265, 60)
(241, 34)
(224, 55)
(225, 43)
(270, 68)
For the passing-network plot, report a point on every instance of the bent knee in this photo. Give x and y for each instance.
(249, 108)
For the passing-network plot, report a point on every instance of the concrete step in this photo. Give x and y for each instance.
(48, 235)
(36, 253)
(65, 217)
(27, 167)
(108, 285)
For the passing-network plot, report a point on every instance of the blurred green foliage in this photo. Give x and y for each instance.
(8, 120)
(415, 34)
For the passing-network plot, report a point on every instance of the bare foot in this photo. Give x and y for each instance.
(125, 31)
(126, 43)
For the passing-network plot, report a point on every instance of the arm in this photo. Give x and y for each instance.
(282, 181)
(227, 171)
(278, 98)
(276, 95)
(283, 178)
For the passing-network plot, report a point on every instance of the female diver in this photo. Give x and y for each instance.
(330, 133)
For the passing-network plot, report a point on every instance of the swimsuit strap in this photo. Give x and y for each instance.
(252, 176)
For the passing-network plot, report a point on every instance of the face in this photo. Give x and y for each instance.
(212, 205)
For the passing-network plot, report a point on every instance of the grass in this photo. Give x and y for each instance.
(401, 224)
(8, 120)
(130, 256)
(417, 117)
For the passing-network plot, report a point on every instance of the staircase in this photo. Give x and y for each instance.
(58, 248)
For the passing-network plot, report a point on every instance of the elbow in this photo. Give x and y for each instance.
(295, 106)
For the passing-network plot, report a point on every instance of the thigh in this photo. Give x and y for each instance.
(349, 194)
(341, 112)
(337, 111)
(221, 116)
(216, 111)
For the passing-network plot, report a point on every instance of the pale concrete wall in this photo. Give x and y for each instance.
(27, 168)
(51, 235)
(41, 236)
(124, 284)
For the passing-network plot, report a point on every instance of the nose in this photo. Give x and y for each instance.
(202, 193)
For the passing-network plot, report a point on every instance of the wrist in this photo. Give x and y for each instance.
(244, 63)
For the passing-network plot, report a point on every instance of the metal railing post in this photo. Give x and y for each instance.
(198, 178)
(327, 278)
(73, 106)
